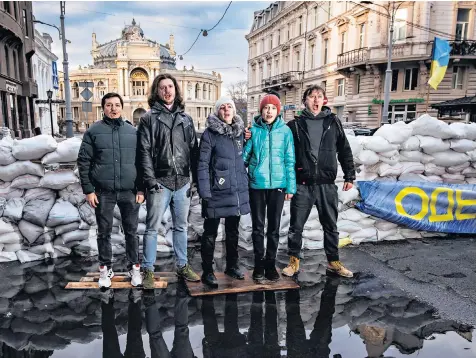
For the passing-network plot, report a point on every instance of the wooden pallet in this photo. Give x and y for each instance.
(226, 284)
(120, 280)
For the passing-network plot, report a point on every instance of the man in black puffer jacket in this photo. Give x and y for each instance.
(319, 141)
(107, 170)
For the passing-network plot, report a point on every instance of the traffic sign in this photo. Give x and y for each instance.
(86, 84)
(86, 106)
(55, 75)
(86, 94)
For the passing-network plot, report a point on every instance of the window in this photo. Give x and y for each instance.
(25, 22)
(339, 111)
(286, 64)
(316, 16)
(343, 37)
(199, 112)
(6, 6)
(401, 112)
(458, 76)
(139, 88)
(276, 66)
(262, 46)
(279, 37)
(253, 78)
(75, 88)
(7, 59)
(252, 102)
(15, 65)
(63, 112)
(394, 84)
(197, 91)
(411, 79)
(324, 85)
(361, 35)
(311, 55)
(462, 23)
(289, 32)
(15, 10)
(357, 84)
(340, 87)
(261, 73)
(400, 28)
(270, 42)
(326, 49)
(298, 61)
(300, 25)
(101, 89)
(75, 112)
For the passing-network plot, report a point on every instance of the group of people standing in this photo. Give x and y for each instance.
(237, 171)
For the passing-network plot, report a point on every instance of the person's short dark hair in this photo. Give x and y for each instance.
(111, 95)
(311, 89)
(154, 93)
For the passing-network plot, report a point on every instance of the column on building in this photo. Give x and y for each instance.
(127, 82)
(121, 87)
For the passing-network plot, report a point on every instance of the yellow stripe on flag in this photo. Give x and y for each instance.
(437, 74)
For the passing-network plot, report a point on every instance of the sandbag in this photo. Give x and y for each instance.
(382, 234)
(78, 235)
(378, 144)
(3, 203)
(464, 130)
(346, 197)
(412, 143)
(426, 125)
(6, 227)
(62, 212)
(26, 256)
(449, 158)
(26, 181)
(365, 235)
(14, 209)
(37, 211)
(469, 172)
(30, 231)
(433, 169)
(411, 177)
(355, 145)
(11, 171)
(352, 215)
(415, 156)
(453, 178)
(462, 145)
(67, 151)
(6, 156)
(73, 193)
(87, 214)
(62, 229)
(367, 157)
(457, 169)
(7, 192)
(348, 226)
(395, 133)
(7, 256)
(432, 145)
(33, 148)
(11, 237)
(387, 170)
(58, 180)
(42, 249)
(39, 194)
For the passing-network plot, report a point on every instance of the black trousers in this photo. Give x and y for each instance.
(209, 236)
(126, 201)
(266, 202)
(324, 196)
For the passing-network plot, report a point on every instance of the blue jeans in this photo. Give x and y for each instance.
(157, 203)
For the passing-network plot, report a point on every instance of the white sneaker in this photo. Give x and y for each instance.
(134, 274)
(105, 276)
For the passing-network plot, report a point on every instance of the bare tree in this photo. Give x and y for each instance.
(237, 92)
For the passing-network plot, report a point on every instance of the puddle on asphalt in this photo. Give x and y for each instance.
(328, 317)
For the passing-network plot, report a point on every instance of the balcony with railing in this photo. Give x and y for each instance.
(284, 79)
(464, 48)
(352, 58)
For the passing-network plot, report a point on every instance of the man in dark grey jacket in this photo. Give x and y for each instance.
(107, 170)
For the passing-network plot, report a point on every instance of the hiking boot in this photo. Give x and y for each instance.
(270, 272)
(339, 269)
(149, 280)
(292, 268)
(134, 274)
(105, 276)
(235, 272)
(187, 273)
(209, 279)
(258, 271)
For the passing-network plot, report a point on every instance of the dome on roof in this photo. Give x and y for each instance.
(132, 32)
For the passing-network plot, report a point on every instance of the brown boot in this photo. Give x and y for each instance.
(292, 268)
(339, 269)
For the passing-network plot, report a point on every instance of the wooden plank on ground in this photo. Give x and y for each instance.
(156, 274)
(227, 284)
(114, 284)
(169, 279)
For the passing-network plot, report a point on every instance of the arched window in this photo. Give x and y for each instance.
(139, 82)
(197, 91)
(75, 90)
(101, 89)
(7, 59)
(204, 91)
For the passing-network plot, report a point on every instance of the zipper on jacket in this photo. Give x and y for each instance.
(237, 193)
(269, 156)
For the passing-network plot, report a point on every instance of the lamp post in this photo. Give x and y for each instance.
(49, 93)
(391, 12)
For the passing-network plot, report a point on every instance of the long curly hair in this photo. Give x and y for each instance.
(154, 91)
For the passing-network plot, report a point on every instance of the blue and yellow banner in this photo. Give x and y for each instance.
(439, 61)
(449, 208)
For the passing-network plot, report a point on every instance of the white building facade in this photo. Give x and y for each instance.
(342, 46)
(43, 73)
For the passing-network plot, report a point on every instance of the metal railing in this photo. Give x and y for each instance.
(352, 57)
(463, 48)
(282, 78)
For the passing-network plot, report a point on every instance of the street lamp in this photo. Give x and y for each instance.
(391, 12)
(49, 93)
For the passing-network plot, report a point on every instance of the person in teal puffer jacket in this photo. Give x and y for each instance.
(269, 156)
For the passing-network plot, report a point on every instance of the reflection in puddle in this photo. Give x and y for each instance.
(328, 317)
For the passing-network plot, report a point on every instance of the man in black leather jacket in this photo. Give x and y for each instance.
(168, 154)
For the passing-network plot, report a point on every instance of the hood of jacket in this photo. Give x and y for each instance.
(216, 125)
(325, 112)
(278, 123)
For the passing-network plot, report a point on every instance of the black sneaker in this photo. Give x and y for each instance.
(271, 274)
(258, 272)
(210, 279)
(235, 273)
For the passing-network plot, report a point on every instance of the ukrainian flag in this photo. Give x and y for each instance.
(439, 61)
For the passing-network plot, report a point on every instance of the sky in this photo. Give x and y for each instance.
(224, 47)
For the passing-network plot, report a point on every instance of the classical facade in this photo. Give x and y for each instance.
(342, 46)
(18, 88)
(128, 66)
(43, 74)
